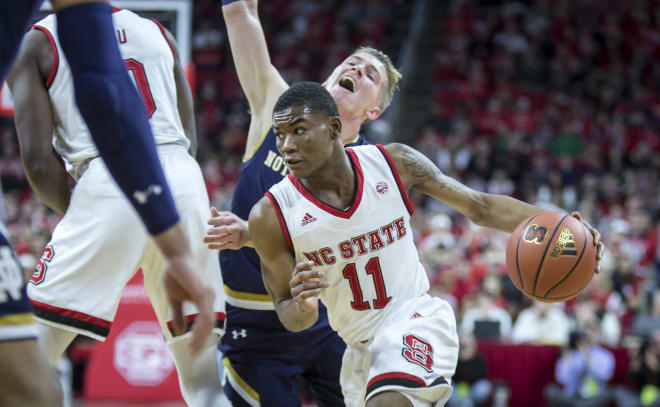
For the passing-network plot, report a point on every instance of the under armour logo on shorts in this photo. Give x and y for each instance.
(241, 333)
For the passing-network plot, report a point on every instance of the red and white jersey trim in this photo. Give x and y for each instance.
(346, 214)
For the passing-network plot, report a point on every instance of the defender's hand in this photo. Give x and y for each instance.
(599, 245)
(306, 285)
(228, 231)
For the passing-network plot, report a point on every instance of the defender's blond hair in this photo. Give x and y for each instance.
(393, 75)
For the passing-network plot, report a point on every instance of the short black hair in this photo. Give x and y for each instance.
(308, 94)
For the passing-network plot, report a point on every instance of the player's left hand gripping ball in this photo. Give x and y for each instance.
(599, 245)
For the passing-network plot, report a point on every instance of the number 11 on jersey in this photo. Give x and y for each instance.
(373, 268)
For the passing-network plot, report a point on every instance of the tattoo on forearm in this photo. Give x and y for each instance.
(450, 184)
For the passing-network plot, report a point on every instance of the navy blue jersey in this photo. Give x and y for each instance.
(246, 295)
(16, 318)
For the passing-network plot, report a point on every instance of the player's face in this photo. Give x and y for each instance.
(304, 139)
(358, 86)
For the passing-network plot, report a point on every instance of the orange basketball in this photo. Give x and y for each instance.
(551, 257)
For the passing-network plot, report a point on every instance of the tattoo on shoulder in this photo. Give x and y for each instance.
(420, 167)
(414, 165)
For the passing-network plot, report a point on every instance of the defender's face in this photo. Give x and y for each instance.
(358, 86)
(303, 139)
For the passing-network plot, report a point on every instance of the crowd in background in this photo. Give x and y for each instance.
(555, 102)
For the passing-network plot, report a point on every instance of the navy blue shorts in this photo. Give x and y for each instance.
(266, 368)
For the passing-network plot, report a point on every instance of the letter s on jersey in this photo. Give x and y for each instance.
(418, 351)
(39, 274)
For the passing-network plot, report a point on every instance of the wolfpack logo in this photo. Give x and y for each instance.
(381, 188)
(39, 274)
(142, 196)
(418, 351)
(307, 219)
(565, 244)
(535, 234)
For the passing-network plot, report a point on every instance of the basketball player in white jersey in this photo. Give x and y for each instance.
(338, 228)
(100, 242)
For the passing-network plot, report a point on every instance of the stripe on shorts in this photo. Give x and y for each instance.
(75, 319)
(18, 332)
(253, 301)
(399, 379)
(239, 385)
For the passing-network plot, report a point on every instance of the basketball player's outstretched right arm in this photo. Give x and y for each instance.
(294, 288)
(490, 210)
(261, 82)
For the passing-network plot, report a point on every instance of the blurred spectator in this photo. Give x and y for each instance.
(486, 320)
(471, 387)
(589, 312)
(583, 372)
(542, 323)
(647, 322)
(645, 375)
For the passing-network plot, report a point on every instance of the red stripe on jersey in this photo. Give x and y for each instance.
(162, 30)
(397, 375)
(115, 9)
(80, 316)
(56, 57)
(280, 217)
(402, 189)
(324, 206)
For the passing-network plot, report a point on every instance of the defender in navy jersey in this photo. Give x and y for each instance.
(26, 378)
(261, 357)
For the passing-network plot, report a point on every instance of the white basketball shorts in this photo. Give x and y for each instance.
(101, 242)
(416, 356)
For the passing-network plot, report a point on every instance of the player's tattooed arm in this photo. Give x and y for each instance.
(294, 288)
(34, 119)
(419, 173)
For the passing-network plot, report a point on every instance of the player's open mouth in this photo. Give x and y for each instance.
(347, 83)
(292, 162)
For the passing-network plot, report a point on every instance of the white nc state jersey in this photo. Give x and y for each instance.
(366, 251)
(149, 59)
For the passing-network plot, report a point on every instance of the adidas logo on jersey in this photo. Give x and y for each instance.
(307, 219)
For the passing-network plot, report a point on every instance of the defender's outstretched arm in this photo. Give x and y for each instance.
(261, 82)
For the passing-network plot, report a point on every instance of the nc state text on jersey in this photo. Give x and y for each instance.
(362, 244)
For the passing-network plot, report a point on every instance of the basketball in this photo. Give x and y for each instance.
(551, 257)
